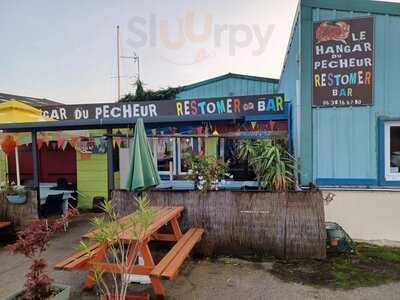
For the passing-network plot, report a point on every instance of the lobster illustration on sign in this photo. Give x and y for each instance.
(338, 31)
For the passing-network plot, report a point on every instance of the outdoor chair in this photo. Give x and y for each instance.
(62, 184)
(73, 201)
(53, 206)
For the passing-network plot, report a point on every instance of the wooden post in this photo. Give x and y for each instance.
(36, 168)
(17, 166)
(110, 162)
(158, 287)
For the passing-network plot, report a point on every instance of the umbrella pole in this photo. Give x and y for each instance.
(17, 166)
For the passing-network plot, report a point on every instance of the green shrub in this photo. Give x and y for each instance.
(206, 171)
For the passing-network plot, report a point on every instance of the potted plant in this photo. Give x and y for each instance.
(31, 242)
(15, 193)
(124, 255)
(207, 171)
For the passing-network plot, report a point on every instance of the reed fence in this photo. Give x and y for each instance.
(286, 225)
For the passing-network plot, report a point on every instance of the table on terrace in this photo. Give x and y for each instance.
(166, 268)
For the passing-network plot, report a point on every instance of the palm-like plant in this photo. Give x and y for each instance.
(279, 166)
(252, 151)
(272, 164)
(124, 254)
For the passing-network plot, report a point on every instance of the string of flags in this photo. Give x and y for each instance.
(83, 142)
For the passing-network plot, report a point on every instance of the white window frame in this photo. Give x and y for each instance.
(389, 176)
(222, 148)
(155, 143)
(178, 155)
(200, 141)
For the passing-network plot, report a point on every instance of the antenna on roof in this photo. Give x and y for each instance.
(136, 59)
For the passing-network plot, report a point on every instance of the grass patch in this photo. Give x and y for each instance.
(371, 265)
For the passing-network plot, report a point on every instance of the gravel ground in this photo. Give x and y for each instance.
(223, 278)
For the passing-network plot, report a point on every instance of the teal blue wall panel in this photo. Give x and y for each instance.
(290, 75)
(353, 150)
(342, 143)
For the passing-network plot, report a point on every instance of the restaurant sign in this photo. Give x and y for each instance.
(199, 109)
(343, 52)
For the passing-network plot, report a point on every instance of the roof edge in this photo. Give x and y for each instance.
(228, 75)
(289, 44)
(367, 6)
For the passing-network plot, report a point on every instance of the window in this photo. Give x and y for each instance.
(185, 149)
(164, 149)
(392, 150)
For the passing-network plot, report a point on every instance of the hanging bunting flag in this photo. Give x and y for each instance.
(74, 141)
(40, 141)
(272, 124)
(118, 141)
(60, 142)
(254, 124)
(23, 138)
(114, 142)
(64, 145)
(154, 131)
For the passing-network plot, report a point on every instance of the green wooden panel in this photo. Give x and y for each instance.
(117, 180)
(211, 146)
(3, 166)
(91, 178)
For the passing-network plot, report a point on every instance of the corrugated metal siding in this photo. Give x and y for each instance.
(290, 75)
(345, 139)
(229, 87)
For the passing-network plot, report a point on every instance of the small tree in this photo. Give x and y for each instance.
(124, 254)
(139, 93)
(32, 241)
(252, 150)
(150, 95)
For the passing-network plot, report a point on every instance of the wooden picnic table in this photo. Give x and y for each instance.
(167, 268)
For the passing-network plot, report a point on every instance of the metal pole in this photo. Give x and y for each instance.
(36, 168)
(136, 59)
(110, 162)
(138, 66)
(118, 66)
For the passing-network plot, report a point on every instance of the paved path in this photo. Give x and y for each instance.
(221, 279)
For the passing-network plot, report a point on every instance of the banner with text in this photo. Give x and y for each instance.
(198, 109)
(343, 58)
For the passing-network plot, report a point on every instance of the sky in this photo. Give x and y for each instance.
(67, 50)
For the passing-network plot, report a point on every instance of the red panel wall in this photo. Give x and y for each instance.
(54, 163)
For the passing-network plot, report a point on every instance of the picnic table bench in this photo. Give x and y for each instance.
(4, 224)
(166, 268)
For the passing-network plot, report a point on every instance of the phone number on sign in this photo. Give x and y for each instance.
(339, 102)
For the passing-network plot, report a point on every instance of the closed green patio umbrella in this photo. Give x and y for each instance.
(143, 173)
